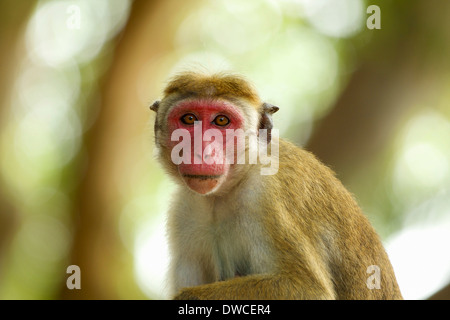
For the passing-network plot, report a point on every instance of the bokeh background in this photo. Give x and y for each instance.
(78, 180)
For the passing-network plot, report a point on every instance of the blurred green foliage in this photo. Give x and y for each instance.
(72, 139)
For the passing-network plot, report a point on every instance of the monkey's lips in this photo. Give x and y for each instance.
(202, 184)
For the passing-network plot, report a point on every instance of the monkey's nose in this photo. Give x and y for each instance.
(198, 156)
(204, 154)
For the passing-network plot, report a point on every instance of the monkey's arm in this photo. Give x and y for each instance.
(302, 283)
(259, 287)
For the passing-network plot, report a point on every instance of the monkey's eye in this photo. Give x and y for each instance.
(221, 121)
(188, 118)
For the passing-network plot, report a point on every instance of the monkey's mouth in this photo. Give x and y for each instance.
(201, 177)
(203, 184)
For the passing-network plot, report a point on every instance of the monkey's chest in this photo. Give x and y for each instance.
(230, 259)
(239, 251)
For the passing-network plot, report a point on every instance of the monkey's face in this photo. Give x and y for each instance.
(200, 141)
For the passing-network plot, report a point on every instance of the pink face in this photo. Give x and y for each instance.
(207, 168)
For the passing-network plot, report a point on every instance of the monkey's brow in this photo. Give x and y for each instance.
(202, 177)
(183, 96)
(193, 94)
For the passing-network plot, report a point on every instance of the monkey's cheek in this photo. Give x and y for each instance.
(202, 186)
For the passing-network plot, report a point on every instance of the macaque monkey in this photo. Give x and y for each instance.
(236, 232)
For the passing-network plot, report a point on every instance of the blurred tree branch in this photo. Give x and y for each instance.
(13, 16)
(396, 70)
(96, 244)
(97, 248)
(404, 68)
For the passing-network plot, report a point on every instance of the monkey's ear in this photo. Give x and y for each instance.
(270, 108)
(155, 106)
(265, 120)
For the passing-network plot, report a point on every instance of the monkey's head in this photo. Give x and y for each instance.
(197, 122)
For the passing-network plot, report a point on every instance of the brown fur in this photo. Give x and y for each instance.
(331, 242)
(298, 234)
(216, 85)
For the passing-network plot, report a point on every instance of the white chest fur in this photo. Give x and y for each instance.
(213, 240)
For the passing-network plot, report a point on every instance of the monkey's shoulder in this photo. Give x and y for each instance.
(299, 163)
(304, 181)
